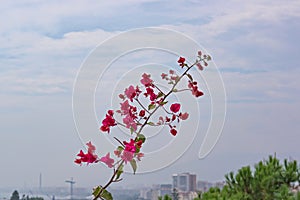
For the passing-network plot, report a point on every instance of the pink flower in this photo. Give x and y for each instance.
(150, 92)
(130, 146)
(121, 96)
(163, 75)
(175, 107)
(174, 77)
(89, 157)
(139, 156)
(107, 160)
(194, 88)
(130, 92)
(108, 122)
(173, 132)
(184, 116)
(146, 81)
(91, 147)
(130, 123)
(125, 107)
(142, 113)
(199, 66)
(181, 61)
(139, 144)
(117, 153)
(127, 156)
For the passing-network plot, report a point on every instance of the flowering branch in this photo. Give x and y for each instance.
(135, 119)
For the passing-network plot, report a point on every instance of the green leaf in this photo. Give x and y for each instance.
(120, 148)
(151, 106)
(97, 190)
(140, 137)
(106, 195)
(160, 94)
(190, 77)
(163, 103)
(133, 165)
(151, 123)
(119, 172)
(208, 58)
(137, 150)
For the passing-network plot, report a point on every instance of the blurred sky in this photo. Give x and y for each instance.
(255, 44)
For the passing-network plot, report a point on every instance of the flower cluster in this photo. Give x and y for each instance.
(130, 150)
(137, 106)
(89, 157)
(194, 88)
(108, 122)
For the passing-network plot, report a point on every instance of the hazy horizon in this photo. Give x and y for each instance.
(255, 46)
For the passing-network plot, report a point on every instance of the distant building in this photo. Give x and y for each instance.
(204, 185)
(165, 189)
(185, 182)
(150, 194)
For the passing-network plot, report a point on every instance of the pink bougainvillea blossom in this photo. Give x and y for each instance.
(146, 81)
(128, 120)
(121, 96)
(91, 147)
(139, 156)
(163, 75)
(127, 156)
(89, 157)
(108, 122)
(181, 61)
(194, 89)
(200, 67)
(125, 107)
(142, 113)
(150, 92)
(107, 160)
(183, 116)
(139, 144)
(173, 131)
(130, 92)
(117, 153)
(175, 107)
(130, 146)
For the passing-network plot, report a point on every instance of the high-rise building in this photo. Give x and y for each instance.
(185, 182)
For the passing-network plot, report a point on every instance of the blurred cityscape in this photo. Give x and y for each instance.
(184, 186)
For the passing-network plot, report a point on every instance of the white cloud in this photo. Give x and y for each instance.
(43, 65)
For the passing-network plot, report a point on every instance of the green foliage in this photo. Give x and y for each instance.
(166, 197)
(151, 106)
(298, 196)
(270, 180)
(15, 195)
(103, 193)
